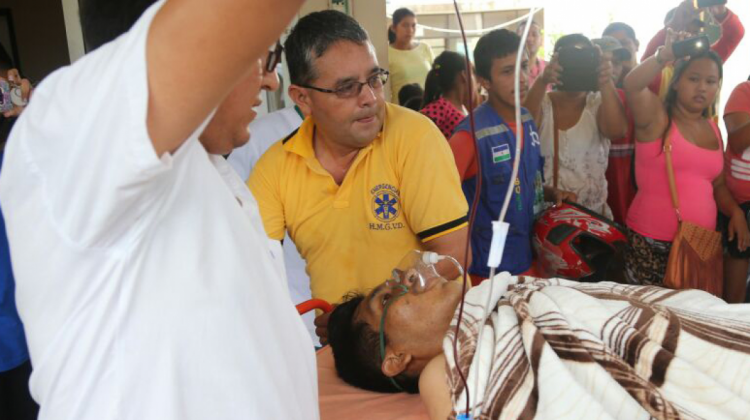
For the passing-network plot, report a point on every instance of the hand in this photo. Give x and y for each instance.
(321, 327)
(606, 69)
(666, 54)
(551, 74)
(738, 228)
(561, 196)
(14, 79)
(683, 15)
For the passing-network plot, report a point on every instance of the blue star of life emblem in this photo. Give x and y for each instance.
(385, 205)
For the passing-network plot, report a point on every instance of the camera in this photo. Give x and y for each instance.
(580, 69)
(691, 46)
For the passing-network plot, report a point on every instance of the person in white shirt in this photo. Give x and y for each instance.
(145, 281)
(266, 131)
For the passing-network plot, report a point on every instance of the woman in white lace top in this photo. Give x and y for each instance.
(586, 121)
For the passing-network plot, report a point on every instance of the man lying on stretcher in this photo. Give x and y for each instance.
(551, 349)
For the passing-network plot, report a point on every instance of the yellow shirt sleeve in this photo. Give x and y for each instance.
(264, 183)
(431, 193)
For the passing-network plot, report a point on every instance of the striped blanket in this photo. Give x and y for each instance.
(558, 349)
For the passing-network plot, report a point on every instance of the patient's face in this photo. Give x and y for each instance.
(415, 323)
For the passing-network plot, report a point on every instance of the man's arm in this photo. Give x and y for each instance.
(433, 202)
(738, 130)
(451, 244)
(610, 117)
(535, 96)
(462, 146)
(732, 32)
(197, 51)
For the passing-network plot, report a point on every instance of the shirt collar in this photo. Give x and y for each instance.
(302, 142)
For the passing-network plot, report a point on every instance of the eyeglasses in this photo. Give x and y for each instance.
(354, 88)
(404, 290)
(274, 57)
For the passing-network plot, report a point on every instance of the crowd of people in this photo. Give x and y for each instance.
(162, 244)
(602, 148)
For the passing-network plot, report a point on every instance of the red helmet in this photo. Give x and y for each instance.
(573, 242)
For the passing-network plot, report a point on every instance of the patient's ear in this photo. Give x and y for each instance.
(394, 363)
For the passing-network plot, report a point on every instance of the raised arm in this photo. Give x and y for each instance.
(732, 31)
(610, 117)
(197, 51)
(535, 96)
(648, 111)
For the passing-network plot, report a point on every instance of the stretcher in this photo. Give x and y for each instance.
(340, 401)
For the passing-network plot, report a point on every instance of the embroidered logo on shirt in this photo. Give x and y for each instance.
(501, 153)
(385, 203)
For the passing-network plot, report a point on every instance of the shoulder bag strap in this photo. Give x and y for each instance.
(670, 173)
(556, 129)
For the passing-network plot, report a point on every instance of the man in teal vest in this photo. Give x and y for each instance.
(495, 120)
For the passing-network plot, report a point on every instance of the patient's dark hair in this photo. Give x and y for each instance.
(356, 351)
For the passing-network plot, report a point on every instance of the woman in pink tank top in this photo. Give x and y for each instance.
(697, 156)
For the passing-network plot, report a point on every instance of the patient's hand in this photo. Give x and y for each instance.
(321, 328)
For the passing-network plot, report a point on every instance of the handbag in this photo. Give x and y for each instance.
(696, 258)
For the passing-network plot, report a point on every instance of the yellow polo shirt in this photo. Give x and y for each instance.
(401, 191)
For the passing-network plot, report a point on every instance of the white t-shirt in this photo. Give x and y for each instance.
(147, 286)
(584, 155)
(264, 132)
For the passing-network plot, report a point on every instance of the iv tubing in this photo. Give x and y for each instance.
(511, 188)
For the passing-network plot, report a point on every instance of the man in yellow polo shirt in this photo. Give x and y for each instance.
(361, 182)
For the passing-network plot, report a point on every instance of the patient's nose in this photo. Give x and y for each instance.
(410, 279)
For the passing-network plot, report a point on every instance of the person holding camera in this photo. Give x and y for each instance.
(678, 144)
(577, 124)
(686, 18)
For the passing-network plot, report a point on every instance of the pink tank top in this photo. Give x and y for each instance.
(651, 213)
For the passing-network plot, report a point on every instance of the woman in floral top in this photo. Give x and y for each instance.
(446, 95)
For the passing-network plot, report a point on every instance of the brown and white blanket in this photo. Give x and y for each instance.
(558, 349)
